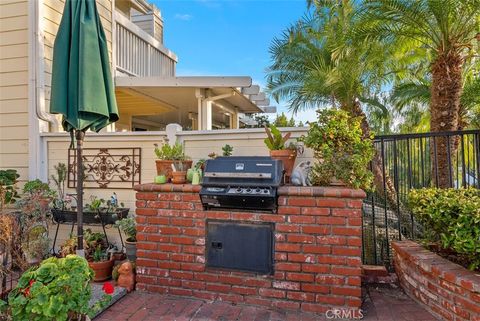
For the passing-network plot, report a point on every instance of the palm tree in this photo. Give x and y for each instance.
(448, 30)
(317, 63)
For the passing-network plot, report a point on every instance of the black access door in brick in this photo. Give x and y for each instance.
(238, 246)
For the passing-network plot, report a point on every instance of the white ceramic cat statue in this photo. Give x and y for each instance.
(300, 174)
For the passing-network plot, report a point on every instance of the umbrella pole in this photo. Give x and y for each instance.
(79, 136)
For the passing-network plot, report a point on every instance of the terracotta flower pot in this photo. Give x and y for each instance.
(179, 177)
(287, 156)
(103, 270)
(164, 167)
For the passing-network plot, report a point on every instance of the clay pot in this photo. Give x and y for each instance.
(287, 156)
(179, 177)
(164, 167)
(103, 270)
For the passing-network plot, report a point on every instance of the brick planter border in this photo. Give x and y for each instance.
(317, 256)
(448, 290)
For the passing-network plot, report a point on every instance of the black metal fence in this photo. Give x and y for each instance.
(412, 161)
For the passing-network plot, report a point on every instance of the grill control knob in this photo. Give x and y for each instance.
(239, 190)
(248, 190)
(257, 190)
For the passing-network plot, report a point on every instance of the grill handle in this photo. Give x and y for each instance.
(237, 175)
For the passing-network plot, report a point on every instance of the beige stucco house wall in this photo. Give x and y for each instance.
(14, 86)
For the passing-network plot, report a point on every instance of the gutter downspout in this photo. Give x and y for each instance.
(37, 164)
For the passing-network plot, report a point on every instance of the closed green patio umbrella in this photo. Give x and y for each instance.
(82, 86)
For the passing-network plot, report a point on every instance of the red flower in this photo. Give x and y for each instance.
(26, 291)
(108, 288)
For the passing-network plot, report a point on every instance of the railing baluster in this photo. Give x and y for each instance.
(382, 142)
(422, 162)
(396, 184)
(464, 177)
(476, 142)
(449, 157)
(435, 161)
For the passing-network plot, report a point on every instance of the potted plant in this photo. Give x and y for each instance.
(167, 155)
(179, 173)
(96, 253)
(341, 153)
(276, 143)
(128, 226)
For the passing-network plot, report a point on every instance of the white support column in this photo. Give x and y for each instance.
(206, 123)
(235, 120)
(200, 96)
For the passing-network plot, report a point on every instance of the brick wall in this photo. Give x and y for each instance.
(448, 290)
(317, 248)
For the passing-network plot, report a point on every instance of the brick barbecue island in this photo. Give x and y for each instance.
(315, 248)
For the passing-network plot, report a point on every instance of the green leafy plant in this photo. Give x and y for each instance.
(58, 289)
(167, 152)
(94, 243)
(128, 226)
(451, 217)
(96, 246)
(8, 191)
(38, 188)
(227, 150)
(340, 151)
(275, 140)
(99, 254)
(59, 180)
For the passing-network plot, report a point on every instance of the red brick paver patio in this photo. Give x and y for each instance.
(384, 303)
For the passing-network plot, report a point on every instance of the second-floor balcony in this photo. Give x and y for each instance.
(139, 54)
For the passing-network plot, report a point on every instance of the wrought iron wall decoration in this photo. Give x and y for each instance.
(107, 167)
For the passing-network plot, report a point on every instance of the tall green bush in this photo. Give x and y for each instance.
(340, 150)
(450, 217)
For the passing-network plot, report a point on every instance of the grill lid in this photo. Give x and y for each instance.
(243, 171)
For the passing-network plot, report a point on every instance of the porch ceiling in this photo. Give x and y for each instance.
(179, 93)
(134, 103)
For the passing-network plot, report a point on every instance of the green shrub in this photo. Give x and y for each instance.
(450, 217)
(340, 150)
(57, 290)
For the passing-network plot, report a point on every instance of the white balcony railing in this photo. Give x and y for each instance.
(139, 54)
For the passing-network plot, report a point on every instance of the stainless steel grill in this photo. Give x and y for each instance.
(241, 183)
